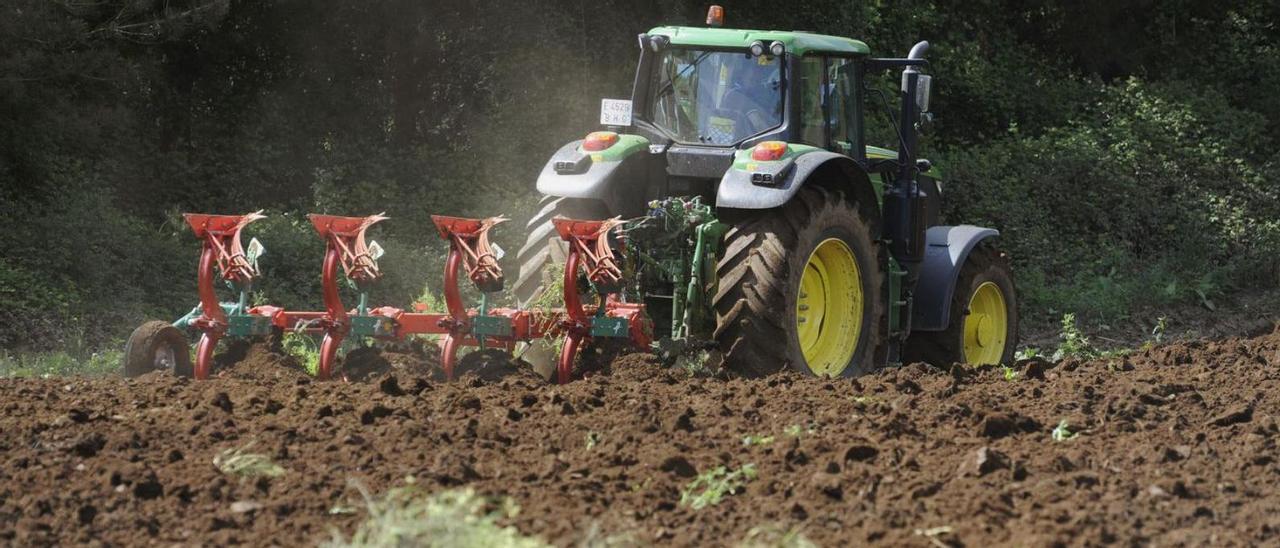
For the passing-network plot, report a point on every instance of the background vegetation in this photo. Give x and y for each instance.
(1123, 146)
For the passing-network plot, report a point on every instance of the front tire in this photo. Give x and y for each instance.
(157, 346)
(982, 328)
(800, 287)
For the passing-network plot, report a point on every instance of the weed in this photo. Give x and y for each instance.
(755, 439)
(240, 462)
(1063, 431)
(409, 516)
(302, 346)
(710, 487)
(774, 536)
(1074, 342)
(1027, 353)
(1010, 374)
(795, 430)
(593, 439)
(696, 363)
(1157, 332)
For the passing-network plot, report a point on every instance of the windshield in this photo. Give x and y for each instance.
(716, 97)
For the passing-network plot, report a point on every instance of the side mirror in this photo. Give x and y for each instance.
(924, 87)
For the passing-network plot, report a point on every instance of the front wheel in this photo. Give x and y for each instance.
(800, 287)
(983, 325)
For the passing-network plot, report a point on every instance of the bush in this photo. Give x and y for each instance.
(1142, 200)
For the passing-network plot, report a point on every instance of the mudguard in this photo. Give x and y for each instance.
(744, 186)
(572, 173)
(947, 248)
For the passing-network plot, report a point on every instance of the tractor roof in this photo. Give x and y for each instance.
(797, 42)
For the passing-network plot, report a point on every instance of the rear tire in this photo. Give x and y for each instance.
(985, 267)
(157, 346)
(763, 266)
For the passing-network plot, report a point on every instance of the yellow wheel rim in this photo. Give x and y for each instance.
(829, 308)
(987, 326)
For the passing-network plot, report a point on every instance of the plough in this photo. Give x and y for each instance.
(156, 345)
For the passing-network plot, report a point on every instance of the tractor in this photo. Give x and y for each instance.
(812, 251)
(731, 206)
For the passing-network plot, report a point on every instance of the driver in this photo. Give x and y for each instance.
(753, 99)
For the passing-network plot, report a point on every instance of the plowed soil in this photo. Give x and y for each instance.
(1172, 445)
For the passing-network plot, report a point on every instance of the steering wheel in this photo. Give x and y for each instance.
(754, 117)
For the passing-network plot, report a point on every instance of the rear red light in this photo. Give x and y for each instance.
(599, 140)
(769, 151)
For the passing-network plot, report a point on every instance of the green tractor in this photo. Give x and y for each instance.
(796, 244)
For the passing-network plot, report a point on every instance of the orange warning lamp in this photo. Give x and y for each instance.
(715, 16)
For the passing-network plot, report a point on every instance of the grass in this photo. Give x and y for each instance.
(60, 363)
(410, 516)
(240, 462)
(712, 486)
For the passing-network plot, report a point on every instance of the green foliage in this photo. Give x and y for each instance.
(1075, 344)
(60, 363)
(304, 347)
(410, 516)
(710, 487)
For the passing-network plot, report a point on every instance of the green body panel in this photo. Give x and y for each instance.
(492, 326)
(798, 43)
(626, 146)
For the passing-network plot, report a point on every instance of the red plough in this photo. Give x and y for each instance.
(470, 252)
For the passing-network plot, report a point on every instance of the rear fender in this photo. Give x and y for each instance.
(764, 185)
(947, 249)
(593, 175)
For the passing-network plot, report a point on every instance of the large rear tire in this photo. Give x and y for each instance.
(157, 346)
(983, 324)
(536, 259)
(800, 287)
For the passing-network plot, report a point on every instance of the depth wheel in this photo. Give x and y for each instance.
(157, 346)
(800, 287)
(983, 325)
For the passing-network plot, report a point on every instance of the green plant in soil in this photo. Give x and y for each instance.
(1063, 432)
(710, 487)
(303, 347)
(756, 439)
(240, 462)
(411, 516)
(1009, 373)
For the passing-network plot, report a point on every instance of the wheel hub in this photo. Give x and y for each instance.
(986, 325)
(829, 305)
